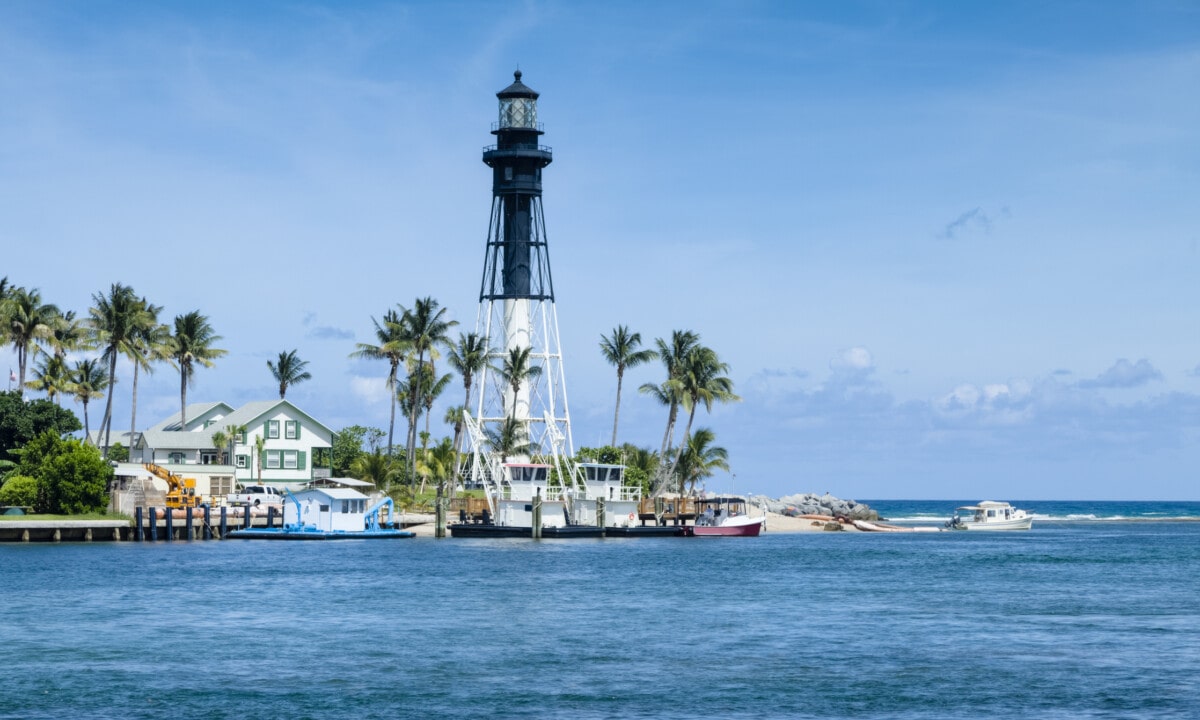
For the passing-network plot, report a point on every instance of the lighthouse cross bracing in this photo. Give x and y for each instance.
(517, 317)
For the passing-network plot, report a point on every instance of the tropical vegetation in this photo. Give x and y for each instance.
(62, 356)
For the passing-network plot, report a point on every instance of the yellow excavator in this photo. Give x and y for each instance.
(181, 491)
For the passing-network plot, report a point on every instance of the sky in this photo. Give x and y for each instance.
(948, 250)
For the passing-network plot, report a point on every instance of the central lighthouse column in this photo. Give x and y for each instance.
(516, 296)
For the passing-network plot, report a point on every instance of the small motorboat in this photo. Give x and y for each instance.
(990, 515)
(726, 515)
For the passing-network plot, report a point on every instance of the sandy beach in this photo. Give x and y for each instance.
(775, 524)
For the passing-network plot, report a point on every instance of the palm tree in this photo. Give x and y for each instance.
(220, 440)
(148, 345)
(52, 377)
(426, 329)
(232, 433)
(516, 369)
(27, 319)
(436, 463)
(375, 468)
(393, 346)
(509, 439)
(621, 350)
(192, 345)
(702, 381)
(260, 444)
(289, 371)
(431, 391)
(669, 392)
(68, 334)
(699, 458)
(467, 356)
(88, 380)
(113, 321)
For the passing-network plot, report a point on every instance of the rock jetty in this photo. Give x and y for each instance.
(810, 504)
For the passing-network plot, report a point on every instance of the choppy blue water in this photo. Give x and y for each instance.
(1069, 620)
(1045, 510)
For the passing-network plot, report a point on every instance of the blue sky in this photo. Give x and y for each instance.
(948, 249)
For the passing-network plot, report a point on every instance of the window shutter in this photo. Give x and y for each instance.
(297, 429)
(267, 430)
(300, 460)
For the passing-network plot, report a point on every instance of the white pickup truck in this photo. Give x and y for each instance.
(255, 495)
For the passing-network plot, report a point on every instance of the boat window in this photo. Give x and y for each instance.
(324, 508)
(539, 474)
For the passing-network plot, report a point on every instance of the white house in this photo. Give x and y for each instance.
(269, 441)
(327, 509)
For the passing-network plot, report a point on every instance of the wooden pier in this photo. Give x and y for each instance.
(149, 524)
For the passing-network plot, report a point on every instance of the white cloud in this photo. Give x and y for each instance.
(372, 390)
(1124, 374)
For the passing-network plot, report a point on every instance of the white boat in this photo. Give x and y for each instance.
(990, 515)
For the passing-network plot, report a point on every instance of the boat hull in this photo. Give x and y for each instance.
(1024, 523)
(565, 531)
(749, 529)
(282, 534)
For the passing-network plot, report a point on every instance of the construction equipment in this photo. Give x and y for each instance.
(181, 491)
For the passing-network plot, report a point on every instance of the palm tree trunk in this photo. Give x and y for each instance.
(86, 431)
(617, 412)
(392, 395)
(133, 408)
(106, 423)
(687, 432)
(183, 374)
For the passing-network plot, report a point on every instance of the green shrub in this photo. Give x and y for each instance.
(19, 490)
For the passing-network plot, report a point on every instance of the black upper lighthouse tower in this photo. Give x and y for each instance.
(516, 316)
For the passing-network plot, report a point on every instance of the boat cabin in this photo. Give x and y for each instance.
(327, 509)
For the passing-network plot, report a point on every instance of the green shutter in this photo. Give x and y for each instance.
(297, 429)
(300, 460)
(267, 430)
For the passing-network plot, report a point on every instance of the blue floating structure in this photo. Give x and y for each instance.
(329, 514)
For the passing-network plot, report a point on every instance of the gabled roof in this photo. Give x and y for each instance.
(195, 410)
(252, 413)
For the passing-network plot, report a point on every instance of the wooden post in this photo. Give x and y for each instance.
(246, 516)
(207, 522)
(659, 503)
(439, 528)
(170, 517)
(536, 532)
(600, 519)
(153, 524)
(271, 517)
(137, 514)
(224, 522)
(187, 523)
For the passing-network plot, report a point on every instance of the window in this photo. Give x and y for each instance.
(221, 484)
(290, 460)
(243, 461)
(273, 459)
(175, 458)
(240, 438)
(272, 429)
(208, 458)
(345, 506)
(291, 429)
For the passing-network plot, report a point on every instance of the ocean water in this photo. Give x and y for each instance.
(1073, 619)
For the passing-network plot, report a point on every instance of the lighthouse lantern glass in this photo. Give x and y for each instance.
(518, 113)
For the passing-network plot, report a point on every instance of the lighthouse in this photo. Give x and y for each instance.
(522, 385)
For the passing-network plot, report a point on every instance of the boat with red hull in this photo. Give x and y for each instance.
(726, 516)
